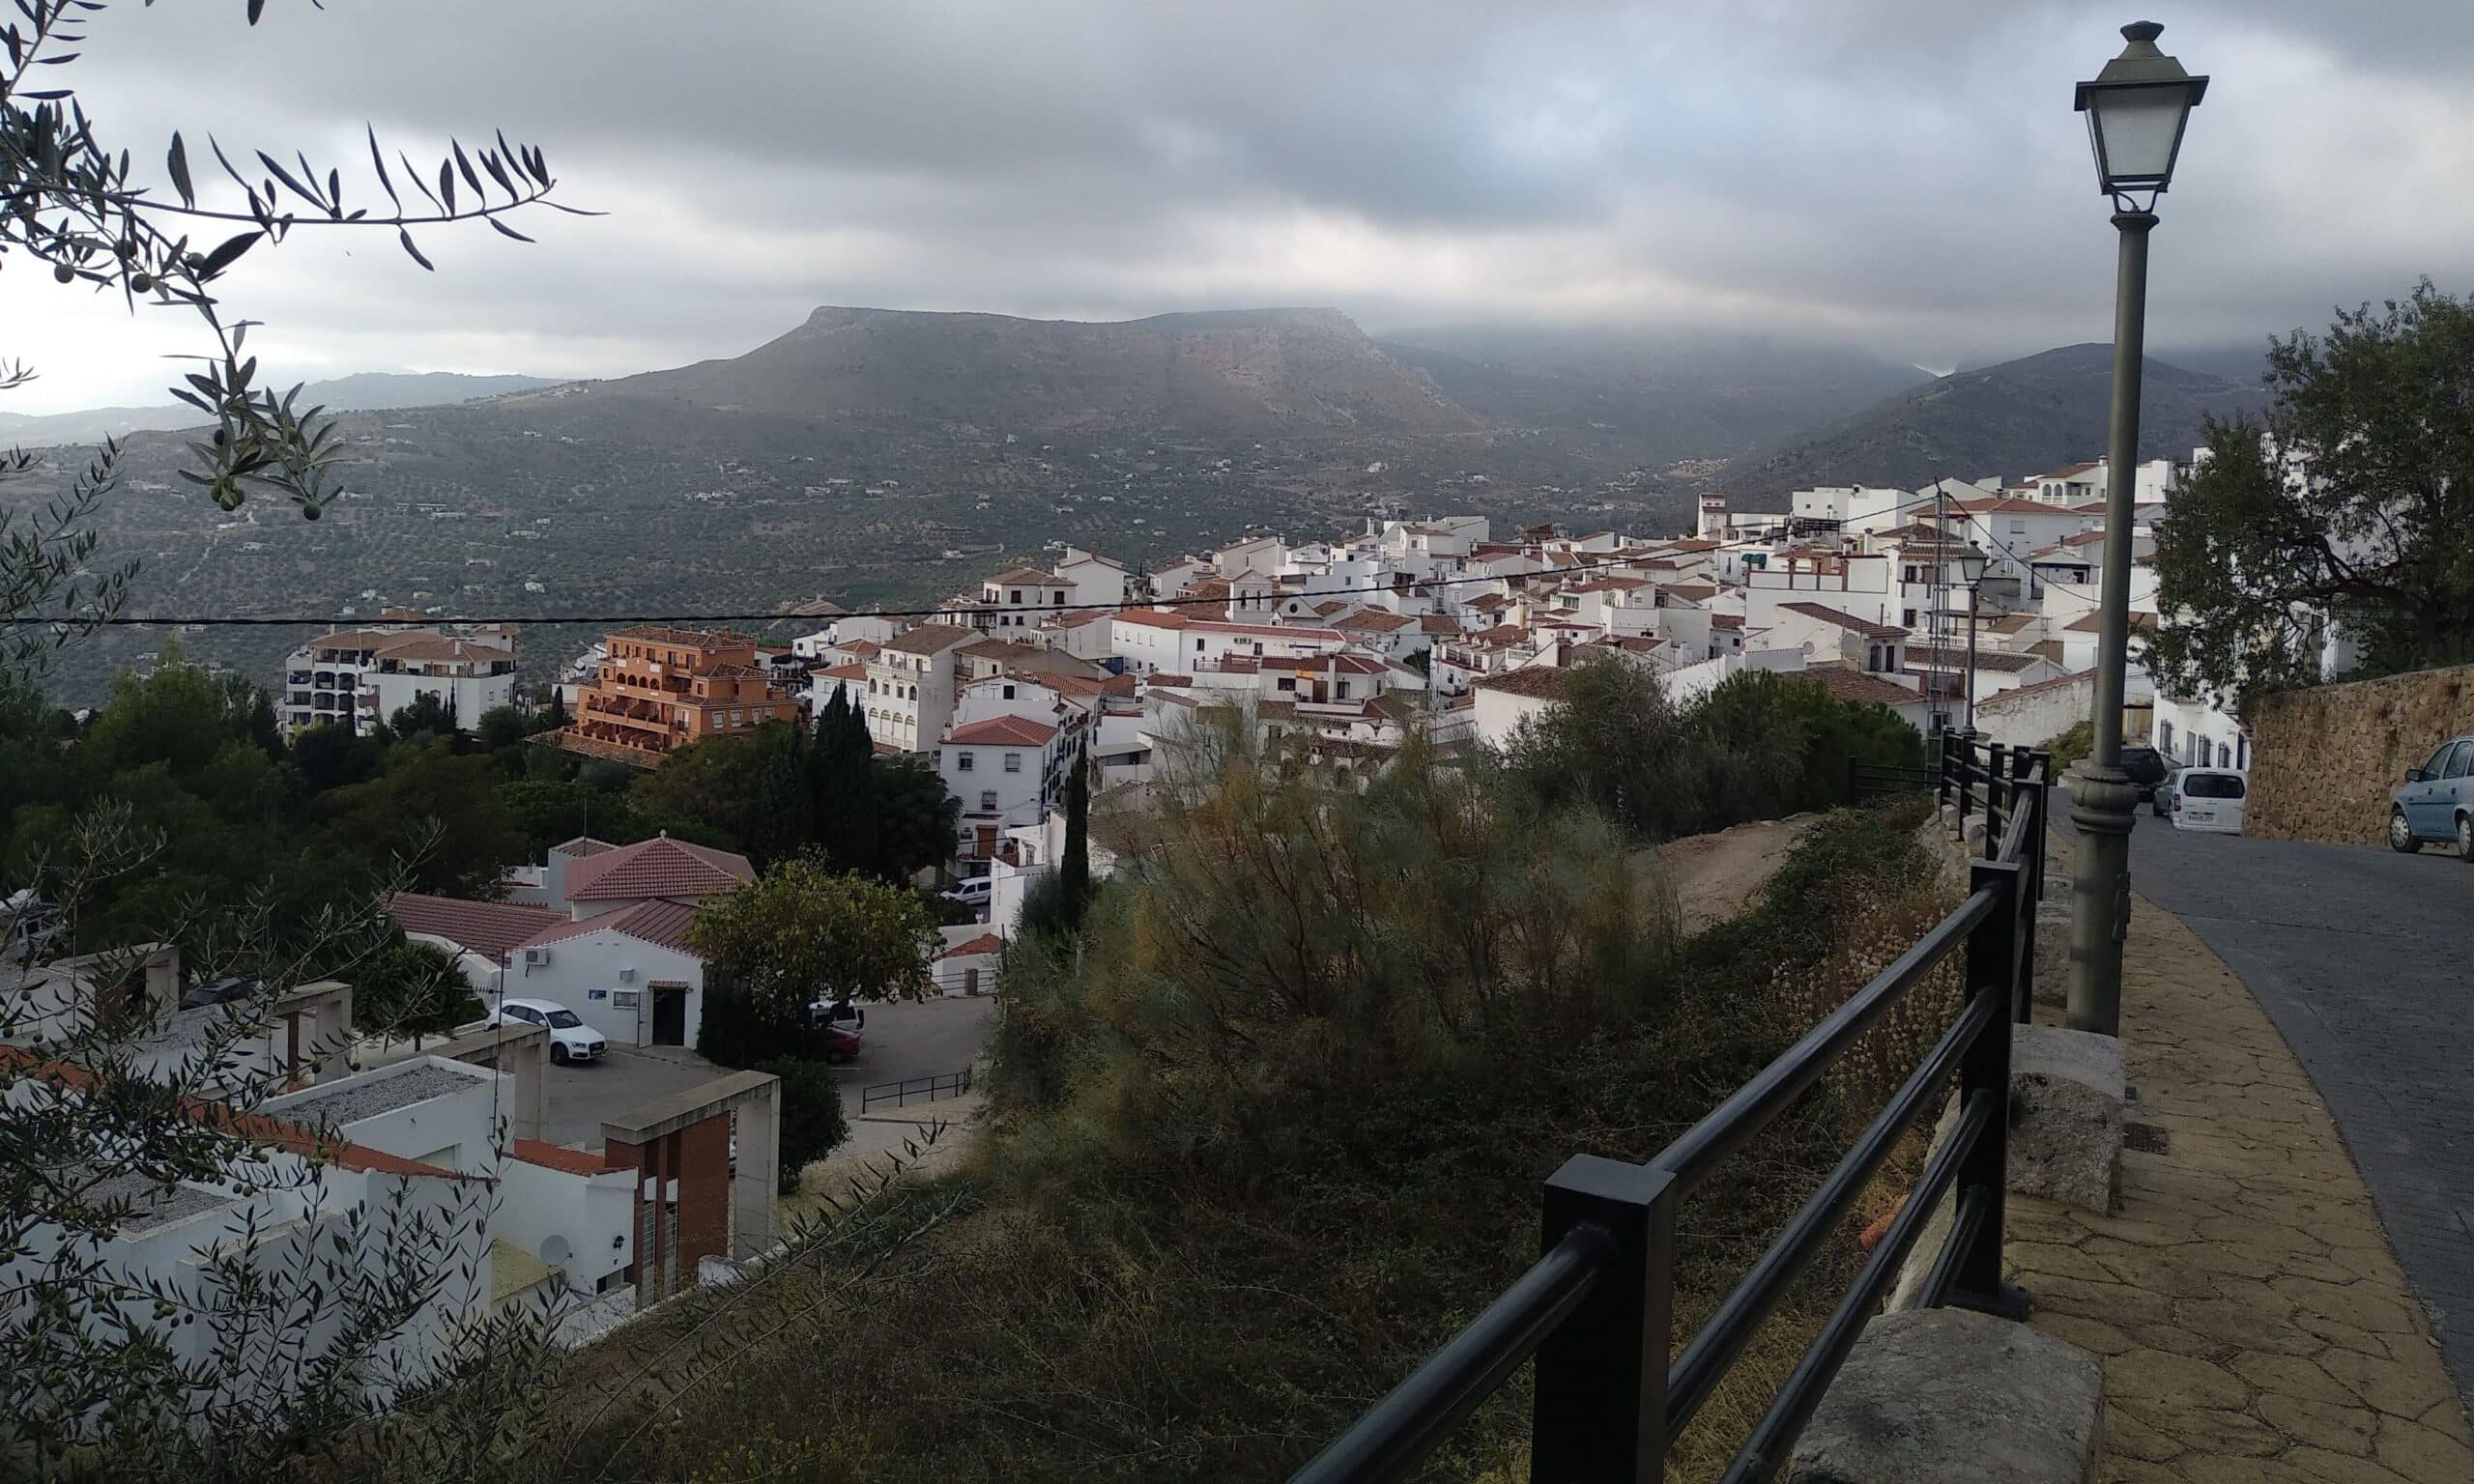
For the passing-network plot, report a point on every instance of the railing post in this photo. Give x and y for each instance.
(1967, 781)
(1942, 774)
(1996, 772)
(1992, 970)
(1599, 1415)
(2032, 796)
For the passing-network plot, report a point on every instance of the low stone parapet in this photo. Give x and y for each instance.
(1943, 1396)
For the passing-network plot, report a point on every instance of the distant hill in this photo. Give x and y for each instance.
(361, 391)
(1648, 398)
(2014, 419)
(1230, 373)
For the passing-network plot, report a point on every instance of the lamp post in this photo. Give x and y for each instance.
(2136, 111)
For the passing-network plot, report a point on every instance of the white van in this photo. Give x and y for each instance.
(2209, 800)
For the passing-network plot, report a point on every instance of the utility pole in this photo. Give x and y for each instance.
(1971, 593)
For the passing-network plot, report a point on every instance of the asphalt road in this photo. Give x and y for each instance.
(928, 1038)
(2364, 959)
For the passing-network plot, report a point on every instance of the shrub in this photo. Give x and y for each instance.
(812, 1122)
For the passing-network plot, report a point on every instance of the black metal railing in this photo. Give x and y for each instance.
(1870, 780)
(1596, 1311)
(948, 1084)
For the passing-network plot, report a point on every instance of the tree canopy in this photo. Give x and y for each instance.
(2352, 504)
(803, 932)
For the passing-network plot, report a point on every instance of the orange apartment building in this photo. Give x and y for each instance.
(657, 690)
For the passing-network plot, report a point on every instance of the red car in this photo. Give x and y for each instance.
(840, 1043)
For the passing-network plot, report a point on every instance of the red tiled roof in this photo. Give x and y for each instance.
(660, 867)
(2003, 504)
(1726, 620)
(487, 928)
(1027, 577)
(2092, 621)
(1375, 620)
(1540, 682)
(656, 922)
(929, 638)
(259, 1128)
(1827, 615)
(1019, 730)
(2042, 686)
(853, 671)
(1855, 685)
(985, 943)
(1437, 623)
(575, 1161)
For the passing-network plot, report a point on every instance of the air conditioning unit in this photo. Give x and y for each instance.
(535, 955)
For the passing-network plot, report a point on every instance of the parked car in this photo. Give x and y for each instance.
(2148, 770)
(841, 1043)
(2436, 801)
(973, 892)
(570, 1039)
(836, 1013)
(219, 991)
(2209, 800)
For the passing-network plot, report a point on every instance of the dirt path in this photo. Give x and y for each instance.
(1713, 875)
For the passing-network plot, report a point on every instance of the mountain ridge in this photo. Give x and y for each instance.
(357, 391)
(2011, 419)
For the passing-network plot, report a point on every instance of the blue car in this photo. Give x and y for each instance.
(2437, 802)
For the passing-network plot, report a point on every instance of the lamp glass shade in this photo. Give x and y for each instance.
(2137, 130)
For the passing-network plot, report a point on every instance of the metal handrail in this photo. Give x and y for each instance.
(1605, 1402)
(1423, 1411)
(948, 1084)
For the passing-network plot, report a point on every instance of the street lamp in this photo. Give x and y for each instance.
(2136, 110)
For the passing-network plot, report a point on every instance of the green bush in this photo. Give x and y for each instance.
(812, 1122)
(1759, 746)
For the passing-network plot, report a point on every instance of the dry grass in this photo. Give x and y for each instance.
(1055, 1309)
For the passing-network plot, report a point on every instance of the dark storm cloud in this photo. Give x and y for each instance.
(1906, 173)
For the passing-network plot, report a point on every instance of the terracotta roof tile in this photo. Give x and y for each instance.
(486, 927)
(1855, 685)
(999, 730)
(656, 922)
(660, 867)
(1845, 620)
(1540, 682)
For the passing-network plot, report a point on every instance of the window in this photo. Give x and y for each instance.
(2165, 737)
(1341, 690)
(2212, 786)
(1058, 597)
(2438, 767)
(1013, 762)
(1198, 647)
(1908, 617)
(1007, 692)
(2462, 761)
(988, 798)
(1017, 597)
(963, 763)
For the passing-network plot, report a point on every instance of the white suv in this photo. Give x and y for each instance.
(570, 1039)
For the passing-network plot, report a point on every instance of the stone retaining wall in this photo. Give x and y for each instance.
(2326, 760)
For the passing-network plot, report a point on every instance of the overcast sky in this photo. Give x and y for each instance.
(1903, 174)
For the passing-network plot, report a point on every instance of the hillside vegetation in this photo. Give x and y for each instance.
(2015, 419)
(1270, 1128)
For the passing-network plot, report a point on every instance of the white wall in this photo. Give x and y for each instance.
(2026, 719)
(1498, 714)
(594, 1213)
(582, 974)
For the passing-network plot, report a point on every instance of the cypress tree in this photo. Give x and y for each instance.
(1076, 869)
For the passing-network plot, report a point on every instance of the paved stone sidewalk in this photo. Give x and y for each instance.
(2254, 1325)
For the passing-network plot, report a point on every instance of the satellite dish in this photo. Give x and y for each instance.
(555, 1250)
